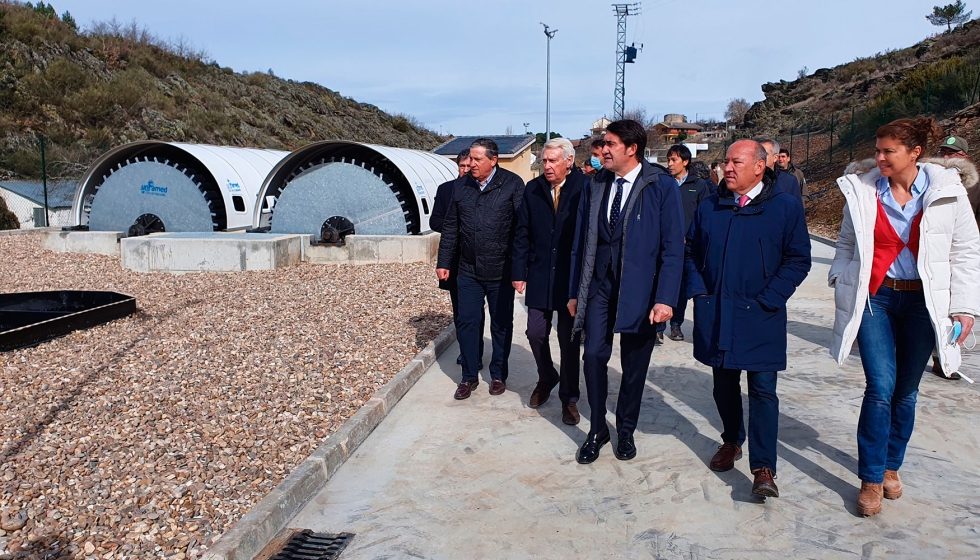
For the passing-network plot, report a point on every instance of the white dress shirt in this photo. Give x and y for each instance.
(627, 186)
(752, 193)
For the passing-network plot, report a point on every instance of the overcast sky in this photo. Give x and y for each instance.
(479, 67)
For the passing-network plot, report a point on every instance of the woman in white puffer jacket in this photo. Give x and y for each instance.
(907, 268)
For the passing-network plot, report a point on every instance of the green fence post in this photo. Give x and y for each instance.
(808, 141)
(44, 183)
(852, 134)
(832, 138)
(928, 84)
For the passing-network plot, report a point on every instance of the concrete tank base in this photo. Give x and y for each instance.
(86, 242)
(377, 249)
(211, 252)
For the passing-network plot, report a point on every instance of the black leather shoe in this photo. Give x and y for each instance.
(659, 341)
(675, 333)
(589, 451)
(625, 448)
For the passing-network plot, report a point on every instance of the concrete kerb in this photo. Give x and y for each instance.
(823, 240)
(270, 516)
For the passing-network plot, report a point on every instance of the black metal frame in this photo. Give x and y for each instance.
(30, 318)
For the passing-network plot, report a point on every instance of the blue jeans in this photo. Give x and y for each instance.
(896, 339)
(763, 413)
(499, 296)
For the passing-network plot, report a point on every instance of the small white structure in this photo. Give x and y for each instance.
(26, 200)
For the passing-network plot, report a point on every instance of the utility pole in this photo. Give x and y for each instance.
(527, 124)
(624, 54)
(547, 114)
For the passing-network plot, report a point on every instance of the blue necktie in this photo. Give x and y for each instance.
(616, 204)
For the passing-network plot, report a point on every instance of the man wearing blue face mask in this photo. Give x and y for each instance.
(594, 164)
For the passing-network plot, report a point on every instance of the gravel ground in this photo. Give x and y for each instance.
(151, 435)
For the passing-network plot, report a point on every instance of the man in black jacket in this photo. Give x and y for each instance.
(542, 264)
(480, 224)
(436, 222)
(693, 190)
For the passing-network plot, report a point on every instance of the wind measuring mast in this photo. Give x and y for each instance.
(624, 54)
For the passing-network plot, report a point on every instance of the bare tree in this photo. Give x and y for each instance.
(949, 15)
(509, 131)
(737, 107)
(802, 72)
(639, 114)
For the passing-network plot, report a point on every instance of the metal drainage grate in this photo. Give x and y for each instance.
(307, 545)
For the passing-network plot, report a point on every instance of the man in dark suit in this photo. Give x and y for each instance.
(542, 261)
(436, 222)
(626, 276)
(693, 190)
(480, 225)
(785, 182)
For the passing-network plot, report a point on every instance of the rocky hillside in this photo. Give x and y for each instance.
(87, 92)
(938, 76)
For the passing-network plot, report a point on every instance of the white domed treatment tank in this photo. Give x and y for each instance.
(149, 187)
(334, 188)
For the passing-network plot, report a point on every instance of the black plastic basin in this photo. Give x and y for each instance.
(29, 318)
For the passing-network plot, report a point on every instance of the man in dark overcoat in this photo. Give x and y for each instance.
(480, 224)
(748, 250)
(626, 275)
(437, 221)
(542, 262)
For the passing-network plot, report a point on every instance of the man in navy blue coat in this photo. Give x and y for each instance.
(626, 276)
(747, 251)
(541, 264)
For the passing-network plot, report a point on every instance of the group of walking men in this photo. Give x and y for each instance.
(620, 252)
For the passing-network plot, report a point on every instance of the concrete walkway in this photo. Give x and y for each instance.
(489, 477)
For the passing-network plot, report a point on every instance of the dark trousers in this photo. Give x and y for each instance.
(895, 339)
(763, 413)
(538, 333)
(454, 298)
(499, 296)
(635, 350)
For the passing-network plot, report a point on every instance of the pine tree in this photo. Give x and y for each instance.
(949, 15)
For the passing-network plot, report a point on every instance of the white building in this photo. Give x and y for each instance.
(26, 200)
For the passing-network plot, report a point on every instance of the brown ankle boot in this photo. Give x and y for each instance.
(892, 486)
(869, 500)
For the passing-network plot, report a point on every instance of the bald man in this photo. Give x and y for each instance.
(759, 253)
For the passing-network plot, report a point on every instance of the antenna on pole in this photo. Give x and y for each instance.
(624, 54)
(547, 113)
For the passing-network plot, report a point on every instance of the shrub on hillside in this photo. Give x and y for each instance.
(8, 220)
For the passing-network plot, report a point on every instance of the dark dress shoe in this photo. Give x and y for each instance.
(724, 459)
(540, 394)
(497, 387)
(589, 451)
(625, 448)
(764, 485)
(659, 341)
(464, 389)
(676, 334)
(569, 413)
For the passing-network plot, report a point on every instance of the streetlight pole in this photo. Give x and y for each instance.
(527, 124)
(547, 115)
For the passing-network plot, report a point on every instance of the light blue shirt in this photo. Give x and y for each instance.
(904, 267)
(681, 180)
(484, 184)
